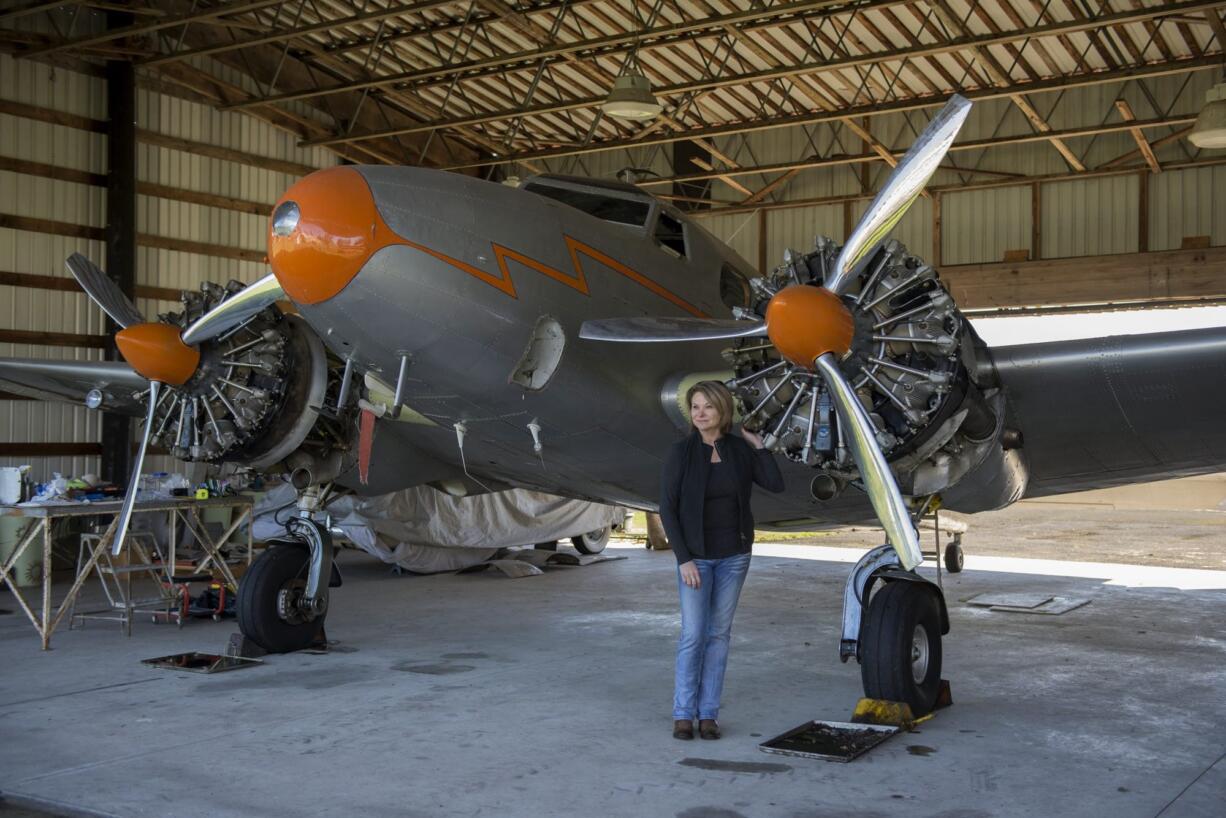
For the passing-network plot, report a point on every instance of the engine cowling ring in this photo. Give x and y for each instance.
(255, 394)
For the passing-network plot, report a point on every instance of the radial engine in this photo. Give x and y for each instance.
(915, 365)
(258, 396)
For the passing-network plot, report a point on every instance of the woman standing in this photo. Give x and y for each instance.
(704, 506)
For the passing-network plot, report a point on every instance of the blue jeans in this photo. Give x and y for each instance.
(706, 625)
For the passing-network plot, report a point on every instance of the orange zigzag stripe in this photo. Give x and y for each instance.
(578, 281)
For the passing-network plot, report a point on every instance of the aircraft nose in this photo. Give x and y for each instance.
(321, 233)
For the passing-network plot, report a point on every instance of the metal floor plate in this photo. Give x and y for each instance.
(197, 662)
(828, 740)
(1028, 603)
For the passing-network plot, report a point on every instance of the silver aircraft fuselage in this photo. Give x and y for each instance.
(472, 269)
(460, 275)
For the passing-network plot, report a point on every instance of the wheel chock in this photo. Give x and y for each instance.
(945, 696)
(883, 712)
(898, 714)
(243, 648)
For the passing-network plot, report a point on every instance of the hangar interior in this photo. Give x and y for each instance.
(155, 136)
(778, 123)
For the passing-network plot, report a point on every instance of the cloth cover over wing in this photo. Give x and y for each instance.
(425, 531)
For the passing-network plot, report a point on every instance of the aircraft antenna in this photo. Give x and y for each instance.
(535, 428)
(460, 431)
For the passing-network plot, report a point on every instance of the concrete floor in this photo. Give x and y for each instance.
(549, 696)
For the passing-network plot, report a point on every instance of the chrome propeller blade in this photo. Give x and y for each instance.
(875, 473)
(104, 292)
(656, 330)
(125, 514)
(236, 309)
(905, 184)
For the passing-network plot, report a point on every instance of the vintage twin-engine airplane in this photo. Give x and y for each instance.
(454, 332)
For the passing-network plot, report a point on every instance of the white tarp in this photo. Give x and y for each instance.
(425, 531)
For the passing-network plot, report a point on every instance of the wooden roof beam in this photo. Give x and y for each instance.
(1173, 136)
(625, 41)
(1025, 181)
(723, 177)
(1213, 17)
(1143, 145)
(875, 109)
(803, 69)
(813, 162)
(35, 7)
(821, 103)
(1003, 80)
(153, 26)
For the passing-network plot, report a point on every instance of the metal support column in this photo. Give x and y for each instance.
(120, 233)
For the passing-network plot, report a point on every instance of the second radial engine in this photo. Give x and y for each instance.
(915, 367)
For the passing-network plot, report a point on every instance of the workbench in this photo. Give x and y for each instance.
(186, 509)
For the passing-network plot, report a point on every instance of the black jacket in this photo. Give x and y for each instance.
(683, 488)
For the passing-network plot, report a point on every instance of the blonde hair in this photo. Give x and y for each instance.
(720, 398)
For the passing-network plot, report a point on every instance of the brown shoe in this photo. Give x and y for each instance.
(708, 729)
(683, 729)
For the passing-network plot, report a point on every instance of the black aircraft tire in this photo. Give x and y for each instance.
(592, 542)
(953, 558)
(902, 617)
(257, 601)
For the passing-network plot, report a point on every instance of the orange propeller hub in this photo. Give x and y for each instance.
(805, 322)
(322, 232)
(158, 353)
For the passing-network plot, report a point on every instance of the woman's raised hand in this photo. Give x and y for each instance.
(690, 575)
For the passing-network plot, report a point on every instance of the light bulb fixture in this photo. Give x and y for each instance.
(1210, 128)
(631, 98)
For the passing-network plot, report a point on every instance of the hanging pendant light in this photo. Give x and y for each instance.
(1210, 128)
(631, 98)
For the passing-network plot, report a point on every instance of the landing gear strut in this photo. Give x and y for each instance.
(283, 597)
(898, 642)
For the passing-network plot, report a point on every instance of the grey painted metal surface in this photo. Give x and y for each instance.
(1107, 411)
(70, 381)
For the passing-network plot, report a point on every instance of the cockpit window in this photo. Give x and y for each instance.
(608, 208)
(734, 287)
(670, 234)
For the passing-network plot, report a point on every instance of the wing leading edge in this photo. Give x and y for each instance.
(1125, 409)
(71, 381)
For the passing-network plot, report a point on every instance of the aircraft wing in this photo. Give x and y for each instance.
(70, 381)
(1108, 411)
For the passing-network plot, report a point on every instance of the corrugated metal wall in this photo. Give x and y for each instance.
(40, 253)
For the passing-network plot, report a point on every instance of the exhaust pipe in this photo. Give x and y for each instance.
(825, 487)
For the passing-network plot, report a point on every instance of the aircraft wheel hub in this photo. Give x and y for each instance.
(919, 654)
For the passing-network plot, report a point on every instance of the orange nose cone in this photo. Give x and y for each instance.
(158, 353)
(805, 322)
(322, 231)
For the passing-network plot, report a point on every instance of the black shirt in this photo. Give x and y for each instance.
(683, 489)
(721, 530)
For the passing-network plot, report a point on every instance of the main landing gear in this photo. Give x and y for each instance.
(283, 597)
(898, 641)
